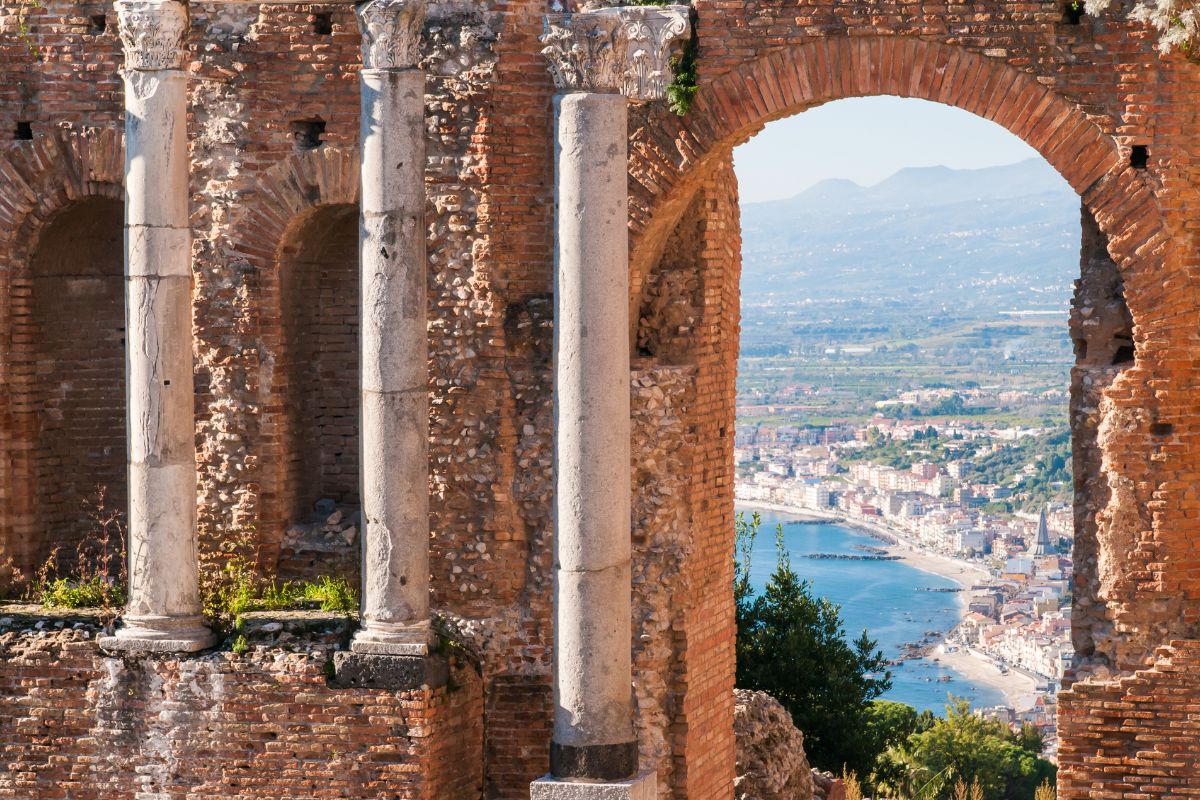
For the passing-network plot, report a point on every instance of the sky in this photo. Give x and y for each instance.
(868, 139)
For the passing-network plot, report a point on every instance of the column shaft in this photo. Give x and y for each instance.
(394, 345)
(593, 724)
(600, 60)
(164, 610)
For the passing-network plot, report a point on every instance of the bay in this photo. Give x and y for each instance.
(887, 598)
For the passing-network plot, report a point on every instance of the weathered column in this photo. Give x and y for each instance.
(163, 613)
(395, 387)
(600, 61)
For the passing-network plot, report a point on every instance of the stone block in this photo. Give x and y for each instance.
(398, 673)
(643, 787)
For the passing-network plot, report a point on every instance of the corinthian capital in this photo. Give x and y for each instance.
(391, 32)
(153, 33)
(626, 49)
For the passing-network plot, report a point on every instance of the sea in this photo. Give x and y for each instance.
(889, 599)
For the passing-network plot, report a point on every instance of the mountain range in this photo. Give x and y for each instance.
(983, 240)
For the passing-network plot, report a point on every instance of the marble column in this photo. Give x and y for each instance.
(601, 60)
(164, 611)
(394, 338)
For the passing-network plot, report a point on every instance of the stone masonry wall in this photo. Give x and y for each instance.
(270, 723)
(1102, 332)
(267, 83)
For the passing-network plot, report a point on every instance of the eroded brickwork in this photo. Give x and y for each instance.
(266, 724)
(1102, 332)
(1134, 737)
(263, 81)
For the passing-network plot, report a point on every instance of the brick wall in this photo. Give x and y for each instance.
(266, 724)
(1133, 738)
(683, 408)
(69, 318)
(1080, 94)
(317, 362)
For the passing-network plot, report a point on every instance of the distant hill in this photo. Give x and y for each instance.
(1000, 238)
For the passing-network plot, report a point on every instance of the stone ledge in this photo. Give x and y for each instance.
(398, 673)
(120, 644)
(643, 787)
(14, 616)
(296, 629)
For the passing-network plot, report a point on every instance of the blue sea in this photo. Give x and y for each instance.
(884, 597)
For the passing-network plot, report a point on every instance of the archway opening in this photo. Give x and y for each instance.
(986, 365)
(318, 366)
(76, 341)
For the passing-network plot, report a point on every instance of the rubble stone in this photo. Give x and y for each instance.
(771, 764)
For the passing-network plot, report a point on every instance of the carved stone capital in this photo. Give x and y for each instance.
(391, 32)
(625, 49)
(153, 33)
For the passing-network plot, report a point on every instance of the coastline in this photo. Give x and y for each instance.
(964, 574)
(1020, 691)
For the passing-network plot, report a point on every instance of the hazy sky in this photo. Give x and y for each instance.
(866, 140)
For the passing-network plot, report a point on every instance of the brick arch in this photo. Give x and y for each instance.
(39, 181)
(290, 196)
(1145, 525)
(670, 157)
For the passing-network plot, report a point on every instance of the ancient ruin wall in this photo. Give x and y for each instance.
(1016, 65)
(1134, 737)
(269, 723)
(1102, 333)
(261, 75)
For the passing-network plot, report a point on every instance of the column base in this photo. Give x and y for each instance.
(393, 639)
(643, 787)
(160, 635)
(397, 673)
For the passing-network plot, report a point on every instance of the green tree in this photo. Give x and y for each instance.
(793, 645)
(967, 748)
(888, 726)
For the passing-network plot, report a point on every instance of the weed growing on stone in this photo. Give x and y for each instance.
(232, 585)
(682, 90)
(96, 576)
(23, 32)
(13, 582)
(328, 594)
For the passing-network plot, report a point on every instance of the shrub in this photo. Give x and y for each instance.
(95, 577)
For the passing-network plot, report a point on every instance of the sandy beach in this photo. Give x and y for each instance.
(1019, 690)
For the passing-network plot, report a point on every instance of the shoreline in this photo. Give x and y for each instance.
(1020, 691)
(962, 573)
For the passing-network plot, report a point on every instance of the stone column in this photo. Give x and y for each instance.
(164, 611)
(600, 61)
(394, 343)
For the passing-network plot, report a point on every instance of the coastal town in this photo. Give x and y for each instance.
(926, 487)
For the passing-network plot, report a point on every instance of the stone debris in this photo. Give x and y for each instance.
(827, 786)
(296, 631)
(323, 544)
(771, 764)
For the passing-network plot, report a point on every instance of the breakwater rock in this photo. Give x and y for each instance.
(852, 557)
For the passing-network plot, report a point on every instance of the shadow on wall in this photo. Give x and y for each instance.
(74, 371)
